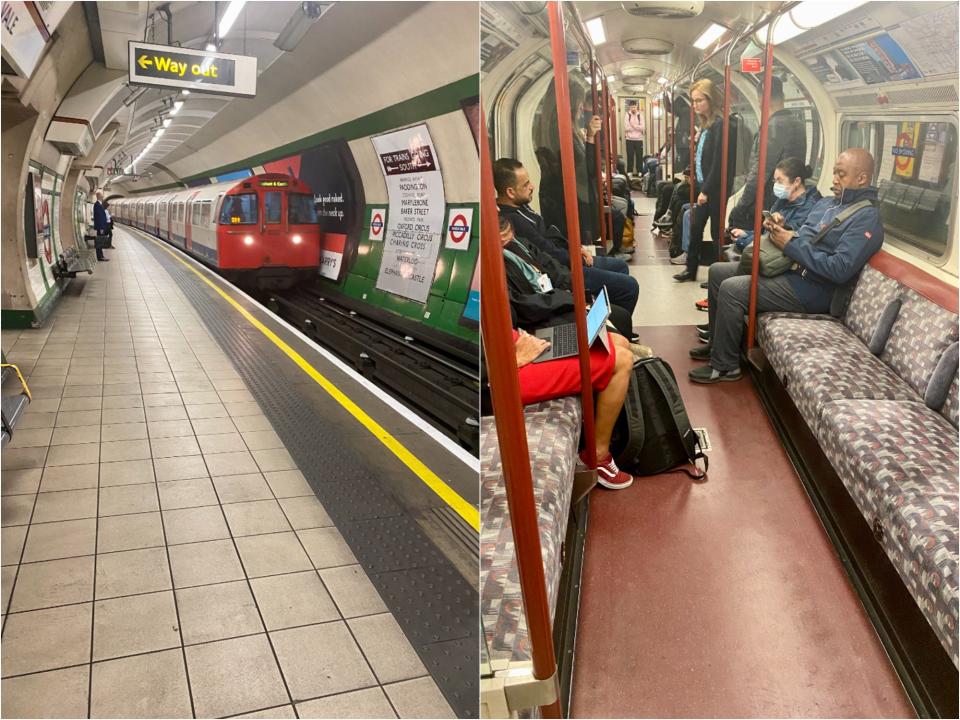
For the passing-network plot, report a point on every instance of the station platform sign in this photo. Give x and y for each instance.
(195, 70)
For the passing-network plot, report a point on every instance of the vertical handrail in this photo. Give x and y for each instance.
(663, 137)
(501, 361)
(724, 162)
(602, 226)
(562, 90)
(761, 183)
(673, 132)
(614, 150)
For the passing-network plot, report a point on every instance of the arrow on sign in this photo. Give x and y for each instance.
(143, 62)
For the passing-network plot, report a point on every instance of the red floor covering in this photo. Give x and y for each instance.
(725, 598)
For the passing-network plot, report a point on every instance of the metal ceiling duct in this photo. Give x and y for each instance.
(665, 9)
(647, 46)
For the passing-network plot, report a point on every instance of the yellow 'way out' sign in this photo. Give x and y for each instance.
(210, 72)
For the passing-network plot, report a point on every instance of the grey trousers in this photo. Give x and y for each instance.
(728, 294)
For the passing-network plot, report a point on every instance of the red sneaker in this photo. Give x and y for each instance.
(702, 305)
(609, 475)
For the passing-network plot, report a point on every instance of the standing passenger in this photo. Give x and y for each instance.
(101, 225)
(633, 133)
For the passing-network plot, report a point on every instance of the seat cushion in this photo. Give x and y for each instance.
(873, 292)
(952, 403)
(553, 432)
(921, 333)
(900, 464)
(784, 337)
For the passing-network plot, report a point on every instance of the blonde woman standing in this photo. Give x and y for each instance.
(707, 104)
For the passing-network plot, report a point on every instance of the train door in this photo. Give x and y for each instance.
(169, 220)
(188, 222)
(273, 226)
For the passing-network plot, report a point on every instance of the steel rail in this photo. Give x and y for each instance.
(594, 67)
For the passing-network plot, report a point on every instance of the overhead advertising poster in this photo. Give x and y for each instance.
(880, 60)
(931, 40)
(934, 153)
(905, 150)
(832, 68)
(836, 31)
(415, 214)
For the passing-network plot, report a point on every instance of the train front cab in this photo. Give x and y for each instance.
(857, 614)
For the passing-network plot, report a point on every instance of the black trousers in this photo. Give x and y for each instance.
(698, 223)
(634, 156)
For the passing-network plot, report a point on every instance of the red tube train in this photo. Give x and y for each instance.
(261, 229)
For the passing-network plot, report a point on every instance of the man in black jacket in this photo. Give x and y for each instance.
(514, 193)
(537, 301)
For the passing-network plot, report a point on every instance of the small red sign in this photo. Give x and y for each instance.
(750, 65)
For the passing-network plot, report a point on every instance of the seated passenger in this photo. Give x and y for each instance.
(541, 288)
(610, 373)
(794, 200)
(819, 267)
(514, 193)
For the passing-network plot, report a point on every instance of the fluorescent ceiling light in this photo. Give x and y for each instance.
(176, 107)
(166, 122)
(709, 36)
(663, 81)
(233, 10)
(597, 33)
(210, 47)
(611, 78)
(159, 133)
(184, 92)
(807, 16)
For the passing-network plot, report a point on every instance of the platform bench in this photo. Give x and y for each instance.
(878, 389)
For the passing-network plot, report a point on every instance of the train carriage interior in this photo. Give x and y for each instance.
(813, 570)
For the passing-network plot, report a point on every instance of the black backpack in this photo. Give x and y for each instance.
(653, 433)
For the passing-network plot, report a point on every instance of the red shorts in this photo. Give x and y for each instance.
(556, 378)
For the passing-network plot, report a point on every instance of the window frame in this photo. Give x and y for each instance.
(928, 117)
(256, 209)
(266, 218)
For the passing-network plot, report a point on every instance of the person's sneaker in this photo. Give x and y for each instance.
(612, 477)
(680, 259)
(704, 338)
(665, 220)
(704, 285)
(701, 352)
(103, 259)
(706, 375)
(705, 327)
(702, 305)
(703, 333)
(685, 276)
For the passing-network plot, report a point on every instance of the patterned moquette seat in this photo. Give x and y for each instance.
(899, 462)
(553, 430)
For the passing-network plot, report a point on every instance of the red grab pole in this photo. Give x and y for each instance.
(596, 156)
(673, 135)
(501, 361)
(562, 89)
(761, 183)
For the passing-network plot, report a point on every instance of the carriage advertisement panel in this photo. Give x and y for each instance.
(415, 226)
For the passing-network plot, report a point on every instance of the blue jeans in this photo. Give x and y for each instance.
(685, 237)
(623, 289)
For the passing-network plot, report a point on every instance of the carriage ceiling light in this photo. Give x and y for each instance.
(166, 122)
(647, 46)
(176, 107)
(159, 132)
(597, 33)
(184, 92)
(611, 78)
(226, 22)
(806, 16)
(709, 36)
(663, 81)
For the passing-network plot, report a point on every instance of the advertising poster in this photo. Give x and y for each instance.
(416, 212)
(905, 150)
(891, 132)
(880, 60)
(931, 40)
(832, 68)
(471, 311)
(836, 31)
(34, 270)
(934, 153)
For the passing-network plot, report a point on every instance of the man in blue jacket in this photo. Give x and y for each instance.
(101, 225)
(514, 193)
(820, 266)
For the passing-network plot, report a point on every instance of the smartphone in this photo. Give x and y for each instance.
(766, 214)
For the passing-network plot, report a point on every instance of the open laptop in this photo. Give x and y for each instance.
(563, 338)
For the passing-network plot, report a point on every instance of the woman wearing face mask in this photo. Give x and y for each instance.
(707, 104)
(794, 199)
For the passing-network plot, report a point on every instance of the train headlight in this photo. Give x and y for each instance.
(297, 239)
(248, 240)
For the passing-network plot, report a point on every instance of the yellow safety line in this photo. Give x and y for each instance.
(450, 496)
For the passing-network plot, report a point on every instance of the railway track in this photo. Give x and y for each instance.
(439, 386)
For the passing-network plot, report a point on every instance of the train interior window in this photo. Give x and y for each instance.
(301, 209)
(272, 207)
(916, 173)
(205, 208)
(239, 210)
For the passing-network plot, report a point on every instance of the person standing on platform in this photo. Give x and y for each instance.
(102, 226)
(633, 132)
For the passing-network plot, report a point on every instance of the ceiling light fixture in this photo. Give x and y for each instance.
(166, 122)
(299, 23)
(597, 32)
(709, 36)
(176, 107)
(226, 22)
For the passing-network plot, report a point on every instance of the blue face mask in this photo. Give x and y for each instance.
(781, 191)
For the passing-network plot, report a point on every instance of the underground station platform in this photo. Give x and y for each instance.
(207, 515)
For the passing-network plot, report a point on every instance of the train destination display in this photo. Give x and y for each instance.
(415, 227)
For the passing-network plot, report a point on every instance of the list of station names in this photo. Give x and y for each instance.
(415, 219)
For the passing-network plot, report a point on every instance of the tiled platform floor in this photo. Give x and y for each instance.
(162, 555)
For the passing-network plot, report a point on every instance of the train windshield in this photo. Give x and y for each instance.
(239, 210)
(302, 209)
(272, 207)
